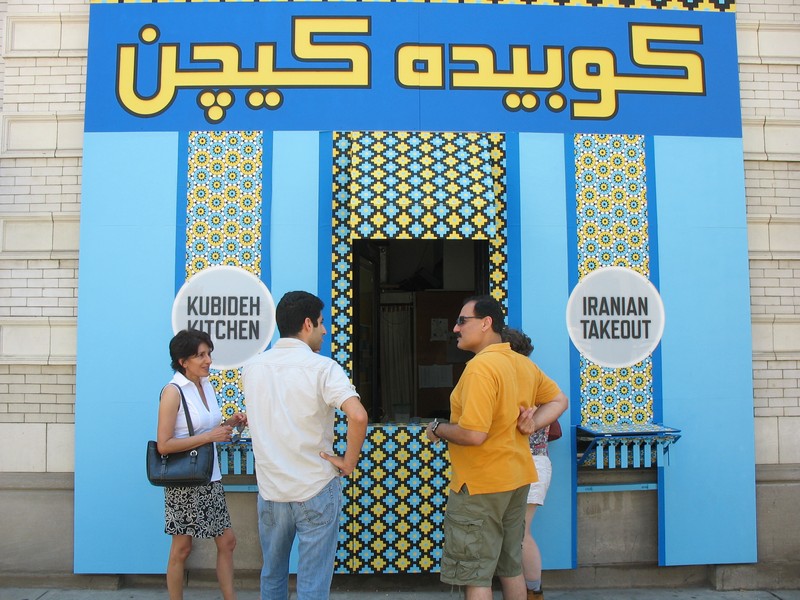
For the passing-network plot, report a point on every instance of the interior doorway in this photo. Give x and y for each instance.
(407, 295)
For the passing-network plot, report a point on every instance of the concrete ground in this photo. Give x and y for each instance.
(153, 593)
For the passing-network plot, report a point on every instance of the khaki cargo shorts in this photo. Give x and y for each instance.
(483, 536)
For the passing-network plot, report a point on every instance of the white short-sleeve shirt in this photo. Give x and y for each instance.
(292, 394)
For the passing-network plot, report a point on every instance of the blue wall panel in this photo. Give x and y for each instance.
(293, 250)
(294, 243)
(545, 289)
(127, 275)
(707, 495)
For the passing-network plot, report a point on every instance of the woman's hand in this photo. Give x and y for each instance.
(220, 433)
(236, 420)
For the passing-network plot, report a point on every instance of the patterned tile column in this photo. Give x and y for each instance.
(611, 204)
(406, 185)
(223, 219)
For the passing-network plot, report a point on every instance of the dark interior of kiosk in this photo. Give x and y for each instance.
(407, 295)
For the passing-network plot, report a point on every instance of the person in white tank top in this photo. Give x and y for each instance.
(200, 511)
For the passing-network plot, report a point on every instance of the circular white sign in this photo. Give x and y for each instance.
(615, 317)
(233, 306)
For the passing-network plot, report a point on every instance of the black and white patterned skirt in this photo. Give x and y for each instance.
(197, 511)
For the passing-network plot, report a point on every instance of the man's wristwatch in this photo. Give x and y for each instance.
(435, 426)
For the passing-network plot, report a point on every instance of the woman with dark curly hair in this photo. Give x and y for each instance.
(201, 511)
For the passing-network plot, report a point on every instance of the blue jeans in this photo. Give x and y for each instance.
(316, 524)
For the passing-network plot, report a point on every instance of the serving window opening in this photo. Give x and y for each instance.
(407, 295)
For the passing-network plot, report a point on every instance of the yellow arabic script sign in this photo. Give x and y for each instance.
(442, 66)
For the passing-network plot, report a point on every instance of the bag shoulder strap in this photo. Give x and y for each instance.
(185, 410)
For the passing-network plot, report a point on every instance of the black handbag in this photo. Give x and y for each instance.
(180, 469)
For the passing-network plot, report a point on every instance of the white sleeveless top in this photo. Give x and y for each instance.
(202, 419)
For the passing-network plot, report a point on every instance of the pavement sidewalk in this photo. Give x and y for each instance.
(454, 594)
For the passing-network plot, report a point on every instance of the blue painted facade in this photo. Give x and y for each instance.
(139, 230)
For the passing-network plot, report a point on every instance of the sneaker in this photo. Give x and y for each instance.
(535, 594)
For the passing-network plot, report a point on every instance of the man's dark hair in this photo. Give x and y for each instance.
(293, 310)
(518, 340)
(486, 306)
(185, 345)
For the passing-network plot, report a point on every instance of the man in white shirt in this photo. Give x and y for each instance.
(292, 393)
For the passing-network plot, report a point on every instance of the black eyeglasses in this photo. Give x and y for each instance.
(461, 320)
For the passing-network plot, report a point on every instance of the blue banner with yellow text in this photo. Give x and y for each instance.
(361, 66)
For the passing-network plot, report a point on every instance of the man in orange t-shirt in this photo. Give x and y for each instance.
(500, 398)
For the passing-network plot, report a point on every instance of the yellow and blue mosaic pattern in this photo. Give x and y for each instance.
(223, 219)
(406, 185)
(393, 512)
(611, 204)
(413, 185)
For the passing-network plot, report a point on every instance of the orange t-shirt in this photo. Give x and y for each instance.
(495, 383)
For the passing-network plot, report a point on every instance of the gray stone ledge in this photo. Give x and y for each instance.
(766, 474)
(37, 481)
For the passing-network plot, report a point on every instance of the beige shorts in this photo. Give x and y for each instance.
(538, 490)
